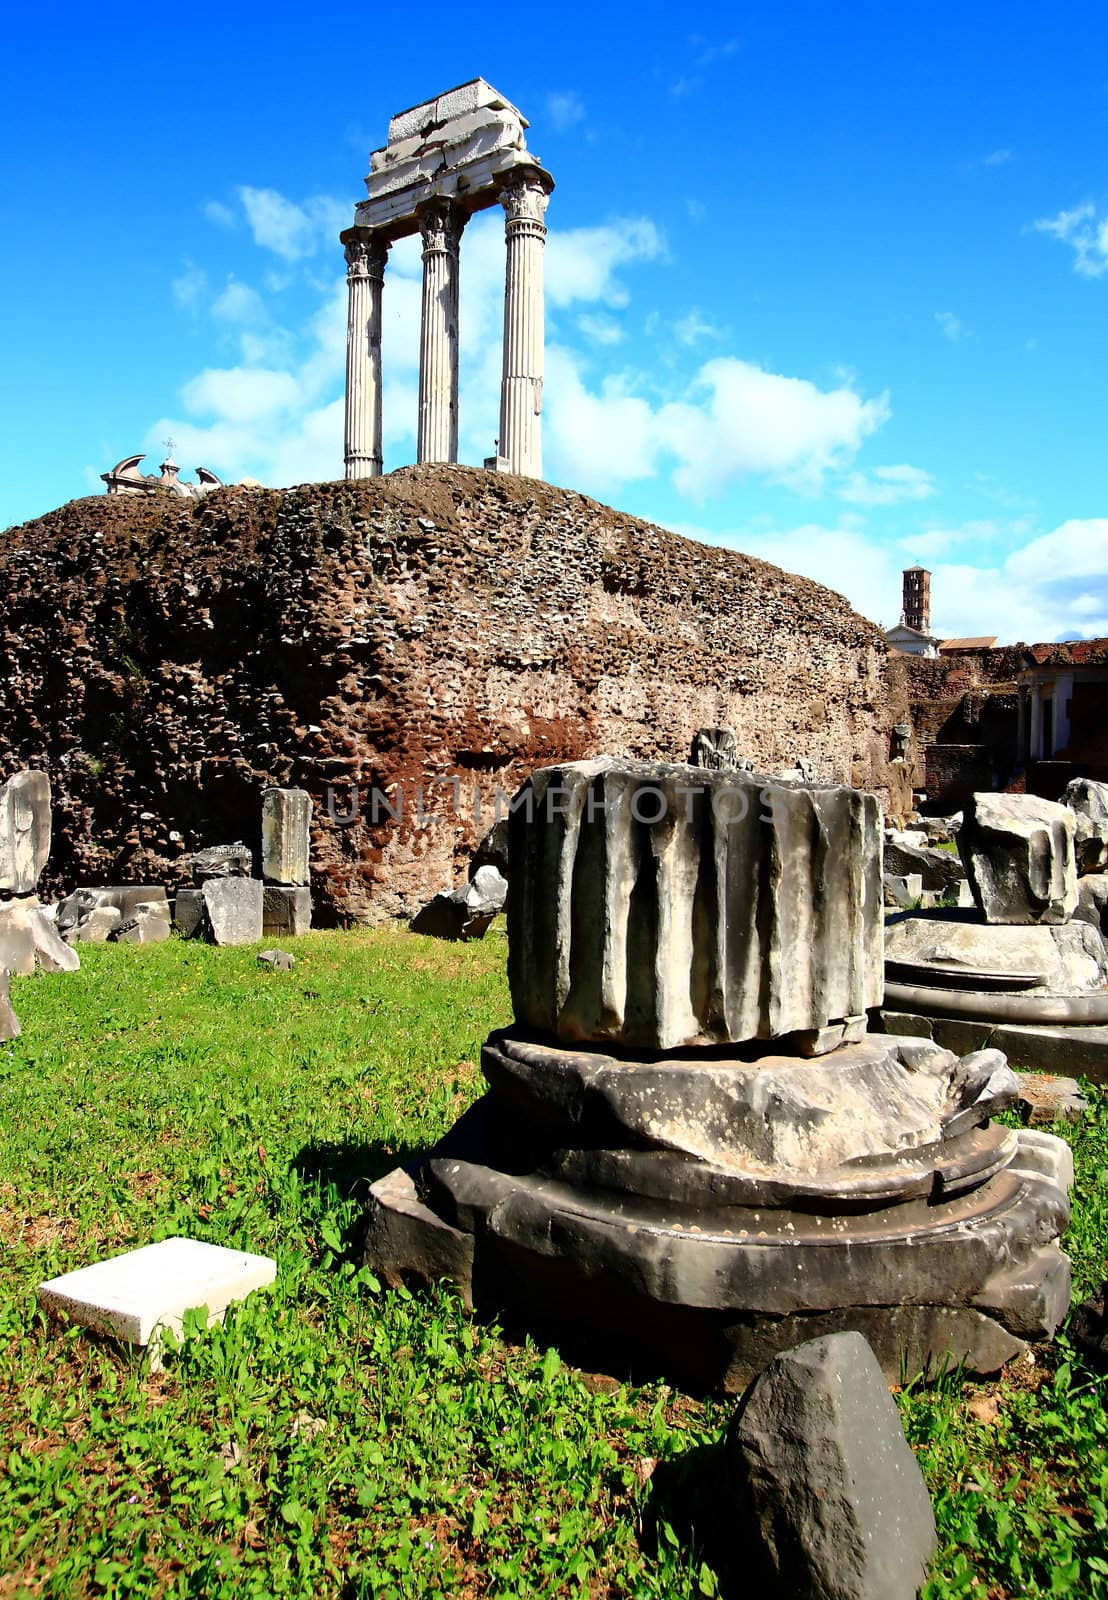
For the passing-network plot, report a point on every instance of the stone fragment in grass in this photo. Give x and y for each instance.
(52, 954)
(286, 910)
(17, 945)
(9, 1022)
(276, 960)
(148, 925)
(141, 1294)
(188, 913)
(824, 1481)
(233, 908)
(1089, 803)
(1045, 1098)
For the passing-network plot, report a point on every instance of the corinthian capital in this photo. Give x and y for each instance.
(440, 225)
(366, 252)
(524, 197)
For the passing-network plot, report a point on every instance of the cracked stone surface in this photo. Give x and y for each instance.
(1019, 854)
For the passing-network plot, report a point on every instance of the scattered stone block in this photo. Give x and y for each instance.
(903, 889)
(52, 954)
(493, 850)
(1092, 901)
(99, 926)
(824, 1479)
(464, 913)
(149, 925)
(17, 944)
(939, 830)
(24, 831)
(1089, 803)
(1059, 959)
(1019, 855)
(233, 909)
(9, 1022)
(286, 835)
(188, 913)
(1044, 1098)
(939, 869)
(141, 1294)
(222, 861)
(276, 960)
(286, 911)
(715, 749)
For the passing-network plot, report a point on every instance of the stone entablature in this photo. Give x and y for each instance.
(461, 152)
(126, 478)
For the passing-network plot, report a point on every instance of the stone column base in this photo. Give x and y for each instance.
(633, 1210)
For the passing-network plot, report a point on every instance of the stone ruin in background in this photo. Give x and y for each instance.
(459, 153)
(689, 1147)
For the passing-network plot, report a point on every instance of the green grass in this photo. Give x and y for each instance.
(335, 1439)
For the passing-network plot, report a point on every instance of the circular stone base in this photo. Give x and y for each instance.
(570, 1199)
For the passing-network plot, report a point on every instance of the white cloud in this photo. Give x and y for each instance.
(241, 394)
(1076, 549)
(239, 303)
(564, 109)
(741, 419)
(692, 328)
(600, 330)
(950, 324)
(886, 486)
(997, 158)
(581, 263)
(1045, 589)
(190, 285)
(221, 215)
(1087, 235)
(290, 230)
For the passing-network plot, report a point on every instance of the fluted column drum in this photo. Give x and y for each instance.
(662, 906)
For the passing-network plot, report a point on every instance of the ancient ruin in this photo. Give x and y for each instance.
(445, 159)
(404, 649)
(126, 478)
(689, 1143)
(1025, 969)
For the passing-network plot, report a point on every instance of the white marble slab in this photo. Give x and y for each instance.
(147, 1290)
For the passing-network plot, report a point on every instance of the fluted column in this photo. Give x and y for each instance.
(524, 199)
(366, 252)
(440, 225)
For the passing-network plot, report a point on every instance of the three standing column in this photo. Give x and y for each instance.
(366, 252)
(440, 225)
(524, 198)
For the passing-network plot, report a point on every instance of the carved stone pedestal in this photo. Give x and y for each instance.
(690, 1154)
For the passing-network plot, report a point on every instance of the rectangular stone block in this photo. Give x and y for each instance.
(233, 910)
(24, 831)
(188, 913)
(17, 943)
(286, 835)
(286, 911)
(137, 1295)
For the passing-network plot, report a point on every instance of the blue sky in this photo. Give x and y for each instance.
(828, 284)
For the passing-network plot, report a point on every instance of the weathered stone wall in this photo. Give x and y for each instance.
(165, 662)
(964, 715)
